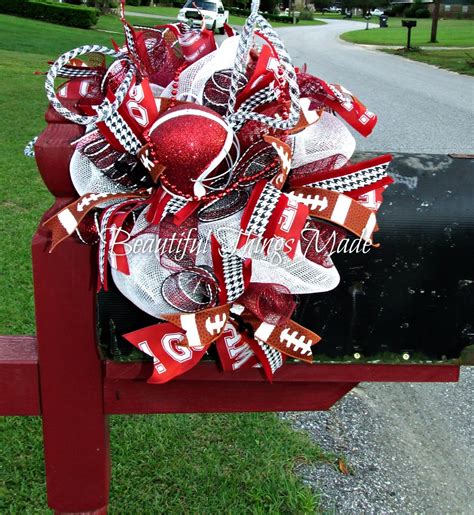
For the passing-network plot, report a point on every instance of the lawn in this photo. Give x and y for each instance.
(461, 61)
(450, 33)
(172, 464)
(233, 20)
(341, 17)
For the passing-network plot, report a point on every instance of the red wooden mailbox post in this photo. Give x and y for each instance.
(61, 376)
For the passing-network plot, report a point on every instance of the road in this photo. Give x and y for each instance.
(408, 446)
(420, 108)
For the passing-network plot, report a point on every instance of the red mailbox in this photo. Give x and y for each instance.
(405, 314)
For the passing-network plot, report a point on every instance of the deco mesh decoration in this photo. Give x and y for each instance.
(200, 169)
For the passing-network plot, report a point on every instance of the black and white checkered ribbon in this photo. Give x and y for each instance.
(245, 43)
(107, 107)
(233, 269)
(272, 355)
(173, 206)
(76, 72)
(130, 40)
(261, 97)
(354, 181)
(121, 130)
(29, 150)
(263, 210)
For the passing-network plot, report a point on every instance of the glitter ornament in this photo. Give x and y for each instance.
(190, 142)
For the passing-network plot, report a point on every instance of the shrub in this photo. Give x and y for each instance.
(422, 13)
(282, 19)
(397, 9)
(61, 14)
(236, 11)
(306, 14)
(133, 2)
(74, 2)
(415, 11)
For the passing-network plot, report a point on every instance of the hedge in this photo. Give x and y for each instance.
(61, 14)
(415, 11)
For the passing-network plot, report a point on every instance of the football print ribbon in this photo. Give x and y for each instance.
(339, 209)
(289, 338)
(66, 221)
(202, 327)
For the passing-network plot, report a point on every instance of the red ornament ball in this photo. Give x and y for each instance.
(190, 141)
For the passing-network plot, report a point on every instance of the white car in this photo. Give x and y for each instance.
(333, 10)
(211, 10)
(376, 12)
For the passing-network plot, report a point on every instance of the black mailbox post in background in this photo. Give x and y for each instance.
(409, 24)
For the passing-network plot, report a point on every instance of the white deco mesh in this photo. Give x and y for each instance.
(87, 178)
(143, 285)
(299, 275)
(194, 78)
(325, 138)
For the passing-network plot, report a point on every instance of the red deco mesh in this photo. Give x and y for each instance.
(164, 55)
(311, 169)
(115, 75)
(271, 303)
(309, 87)
(253, 163)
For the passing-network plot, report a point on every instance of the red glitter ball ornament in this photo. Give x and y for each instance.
(190, 142)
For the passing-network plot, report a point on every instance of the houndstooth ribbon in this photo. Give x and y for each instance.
(106, 108)
(245, 43)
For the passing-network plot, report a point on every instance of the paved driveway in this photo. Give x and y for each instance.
(409, 445)
(421, 108)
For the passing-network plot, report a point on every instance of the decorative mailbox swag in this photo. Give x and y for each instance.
(214, 181)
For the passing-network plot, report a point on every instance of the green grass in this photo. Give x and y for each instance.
(461, 61)
(175, 464)
(161, 464)
(233, 20)
(159, 11)
(113, 23)
(450, 33)
(334, 16)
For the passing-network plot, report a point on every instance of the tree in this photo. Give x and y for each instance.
(102, 5)
(434, 23)
(319, 5)
(268, 6)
